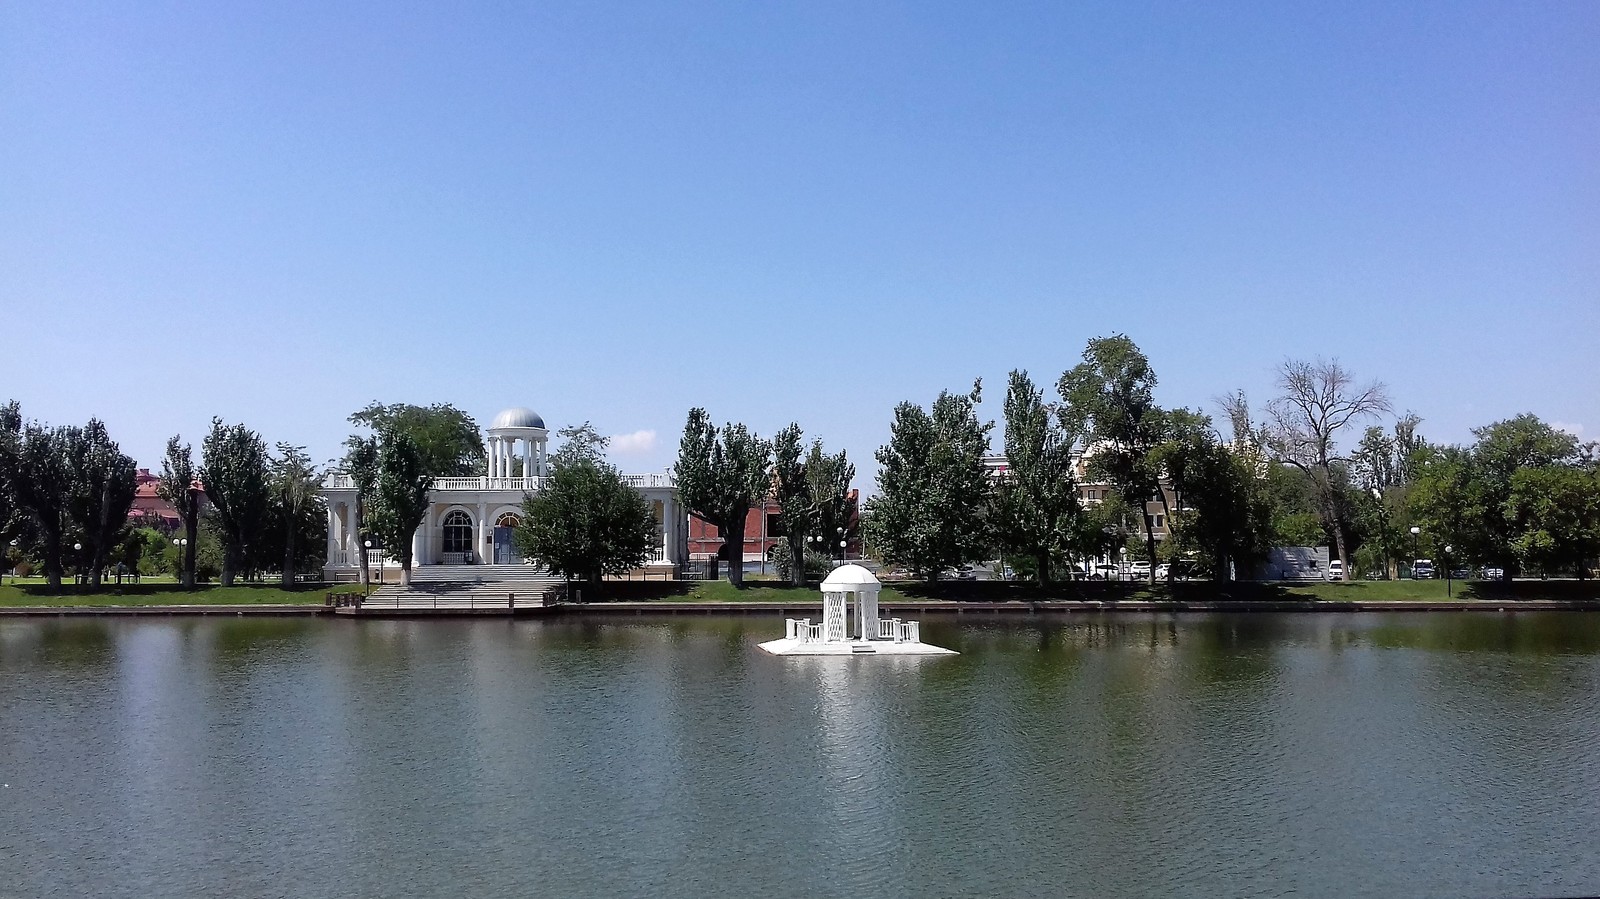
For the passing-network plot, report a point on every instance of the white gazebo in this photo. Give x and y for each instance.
(850, 585)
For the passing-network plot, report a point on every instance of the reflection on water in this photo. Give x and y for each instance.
(1124, 755)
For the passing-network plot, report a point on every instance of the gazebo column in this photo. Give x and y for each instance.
(352, 536)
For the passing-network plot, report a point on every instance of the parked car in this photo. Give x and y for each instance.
(1139, 570)
(1422, 569)
(1105, 572)
(1162, 571)
(1336, 570)
(1493, 574)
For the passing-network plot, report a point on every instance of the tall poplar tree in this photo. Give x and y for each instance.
(933, 491)
(235, 472)
(180, 486)
(720, 476)
(1037, 513)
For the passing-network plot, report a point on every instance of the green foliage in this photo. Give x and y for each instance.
(1555, 510)
(295, 498)
(1470, 497)
(1110, 397)
(586, 522)
(447, 440)
(399, 496)
(813, 495)
(235, 472)
(361, 464)
(35, 462)
(180, 486)
(101, 494)
(929, 514)
(1224, 515)
(1036, 511)
(815, 566)
(720, 476)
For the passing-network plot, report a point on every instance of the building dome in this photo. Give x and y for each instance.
(518, 417)
(849, 578)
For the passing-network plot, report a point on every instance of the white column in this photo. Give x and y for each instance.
(352, 536)
(478, 550)
(527, 457)
(333, 533)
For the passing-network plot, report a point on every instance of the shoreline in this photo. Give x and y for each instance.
(801, 609)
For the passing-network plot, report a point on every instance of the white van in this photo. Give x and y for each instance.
(1336, 570)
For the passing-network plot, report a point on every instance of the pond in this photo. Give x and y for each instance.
(1088, 755)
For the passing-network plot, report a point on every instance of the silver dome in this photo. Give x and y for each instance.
(518, 417)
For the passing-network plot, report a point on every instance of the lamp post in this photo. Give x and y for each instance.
(1414, 532)
(366, 547)
(1448, 594)
(1122, 570)
(1384, 514)
(841, 544)
(15, 542)
(180, 543)
(77, 562)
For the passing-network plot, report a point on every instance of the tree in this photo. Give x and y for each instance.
(1037, 513)
(361, 463)
(400, 496)
(36, 463)
(1319, 400)
(294, 491)
(1222, 511)
(1503, 449)
(828, 480)
(1557, 508)
(101, 494)
(720, 477)
(933, 489)
(797, 516)
(181, 487)
(587, 521)
(813, 494)
(581, 442)
(447, 439)
(235, 472)
(1384, 467)
(1111, 397)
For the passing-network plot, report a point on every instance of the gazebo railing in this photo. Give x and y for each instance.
(900, 631)
(803, 630)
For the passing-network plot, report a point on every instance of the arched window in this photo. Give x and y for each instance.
(508, 520)
(457, 532)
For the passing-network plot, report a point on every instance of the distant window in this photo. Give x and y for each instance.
(457, 532)
(1161, 521)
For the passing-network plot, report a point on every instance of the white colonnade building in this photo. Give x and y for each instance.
(470, 520)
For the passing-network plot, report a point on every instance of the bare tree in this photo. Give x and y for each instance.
(1318, 400)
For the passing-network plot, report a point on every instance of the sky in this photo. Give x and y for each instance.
(280, 212)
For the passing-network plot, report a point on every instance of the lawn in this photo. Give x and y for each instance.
(34, 592)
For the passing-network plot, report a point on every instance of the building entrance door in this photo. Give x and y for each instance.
(503, 553)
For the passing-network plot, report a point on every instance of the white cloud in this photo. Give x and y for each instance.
(636, 444)
(1575, 430)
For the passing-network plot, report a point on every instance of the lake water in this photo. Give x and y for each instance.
(1248, 755)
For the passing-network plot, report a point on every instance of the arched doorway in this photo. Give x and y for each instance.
(457, 538)
(504, 526)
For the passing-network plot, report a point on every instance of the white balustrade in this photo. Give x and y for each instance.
(803, 630)
(338, 481)
(456, 558)
(338, 558)
(900, 631)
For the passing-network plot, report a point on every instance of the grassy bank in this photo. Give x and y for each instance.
(37, 593)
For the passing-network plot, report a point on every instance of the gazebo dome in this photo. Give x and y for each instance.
(518, 417)
(849, 578)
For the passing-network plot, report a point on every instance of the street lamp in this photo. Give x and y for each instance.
(841, 544)
(77, 561)
(1447, 583)
(1414, 532)
(367, 558)
(183, 571)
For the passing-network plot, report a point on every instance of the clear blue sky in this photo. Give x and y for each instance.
(278, 212)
